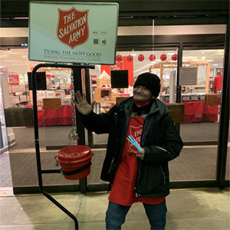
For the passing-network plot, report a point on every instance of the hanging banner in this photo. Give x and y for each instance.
(124, 64)
(69, 32)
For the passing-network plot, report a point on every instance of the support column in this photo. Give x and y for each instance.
(224, 118)
(178, 90)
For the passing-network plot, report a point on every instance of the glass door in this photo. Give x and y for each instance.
(199, 132)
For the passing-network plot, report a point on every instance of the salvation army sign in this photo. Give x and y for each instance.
(73, 32)
(72, 27)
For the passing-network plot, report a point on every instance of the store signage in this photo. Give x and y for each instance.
(124, 64)
(188, 75)
(73, 32)
(13, 79)
(69, 32)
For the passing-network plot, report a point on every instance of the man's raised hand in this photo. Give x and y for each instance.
(82, 105)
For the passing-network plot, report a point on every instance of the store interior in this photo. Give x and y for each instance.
(16, 60)
(208, 61)
(186, 43)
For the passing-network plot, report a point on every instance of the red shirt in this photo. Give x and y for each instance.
(217, 83)
(122, 191)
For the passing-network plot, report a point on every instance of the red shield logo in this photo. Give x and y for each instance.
(72, 27)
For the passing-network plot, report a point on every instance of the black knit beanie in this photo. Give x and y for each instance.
(150, 81)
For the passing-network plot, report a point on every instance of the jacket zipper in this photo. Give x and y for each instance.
(138, 195)
(163, 174)
(112, 162)
(164, 150)
(138, 178)
(138, 171)
(161, 148)
(111, 166)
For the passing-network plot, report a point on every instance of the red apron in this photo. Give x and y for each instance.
(122, 191)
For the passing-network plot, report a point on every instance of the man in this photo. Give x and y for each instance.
(136, 175)
(217, 83)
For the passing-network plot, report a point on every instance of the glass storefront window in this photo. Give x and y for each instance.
(201, 124)
(160, 62)
(208, 62)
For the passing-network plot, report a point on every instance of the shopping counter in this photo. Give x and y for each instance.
(197, 111)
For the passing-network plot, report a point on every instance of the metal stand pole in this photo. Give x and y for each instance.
(36, 136)
(80, 127)
(88, 96)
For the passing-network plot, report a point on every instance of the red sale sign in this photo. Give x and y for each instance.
(13, 79)
(73, 27)
(124, 64)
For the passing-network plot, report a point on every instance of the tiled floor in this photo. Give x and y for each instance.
(188, 209)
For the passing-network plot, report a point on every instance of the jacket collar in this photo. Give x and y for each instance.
(157, 105)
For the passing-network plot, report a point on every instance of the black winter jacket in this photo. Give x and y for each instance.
(160, 140)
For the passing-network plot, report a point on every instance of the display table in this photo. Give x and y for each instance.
(197, 111)
(54, 117)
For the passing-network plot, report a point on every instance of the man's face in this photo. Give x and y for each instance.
(141, 93)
